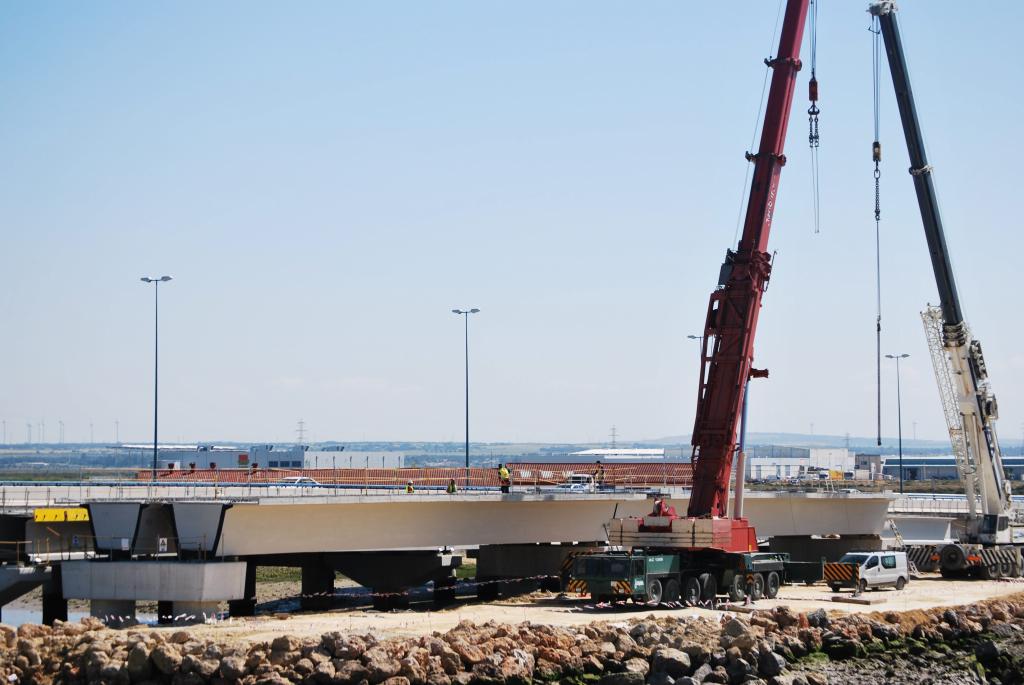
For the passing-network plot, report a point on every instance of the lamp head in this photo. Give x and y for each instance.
(473, 311)
(165, 278)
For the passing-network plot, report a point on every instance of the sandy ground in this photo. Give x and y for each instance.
(547, 609)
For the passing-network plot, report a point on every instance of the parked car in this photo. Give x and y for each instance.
(298, 481)
(578, 482)
(863, 570)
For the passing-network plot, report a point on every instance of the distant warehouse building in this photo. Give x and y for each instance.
(305, 457)
(775, 462)
(941, 467)
(263, 456)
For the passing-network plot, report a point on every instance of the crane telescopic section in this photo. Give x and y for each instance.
(727, 352)
(968, 403)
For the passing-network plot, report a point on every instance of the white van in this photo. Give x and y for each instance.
(874, 569)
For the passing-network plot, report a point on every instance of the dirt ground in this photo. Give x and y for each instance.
(548, 609)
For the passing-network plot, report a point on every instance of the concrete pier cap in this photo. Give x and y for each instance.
(193, 588)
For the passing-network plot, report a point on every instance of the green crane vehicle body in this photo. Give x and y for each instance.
(620, 575)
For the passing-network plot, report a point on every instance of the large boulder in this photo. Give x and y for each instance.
(735, 627)
(818, 619)
(139, 666)
(233, 667)
(674, 662)
(624, 678)
(342, 646)
(380, 665)
(166, 658)
(770, 663)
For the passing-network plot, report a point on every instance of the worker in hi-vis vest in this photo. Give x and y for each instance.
(503, 478)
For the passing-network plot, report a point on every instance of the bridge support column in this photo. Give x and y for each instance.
(247, 605)
(55, 607)
(113, 612)
(317, 586)
(165, 612)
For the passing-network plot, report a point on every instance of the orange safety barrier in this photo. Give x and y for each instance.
(524, 473)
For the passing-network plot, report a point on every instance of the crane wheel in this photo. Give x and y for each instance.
(708, 587)
(691, 590)
(737, 589)
(771, 585)
(655, 592)
(953, 558)
(757, 587)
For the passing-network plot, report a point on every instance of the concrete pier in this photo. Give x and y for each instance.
(317, 585)
(246, 606)
(191, 587)
(55, 607)
(113, 612)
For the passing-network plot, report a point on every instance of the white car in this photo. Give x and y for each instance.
(578, 483)
(298, 480)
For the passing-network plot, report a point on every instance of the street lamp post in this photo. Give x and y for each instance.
(156, 354)
(465, 314)
(899, 411)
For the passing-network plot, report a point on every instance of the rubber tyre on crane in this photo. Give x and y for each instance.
(708, 587)
(737, 588)
(655, 591)
(952, 558)
(672, 590)
(757, 587)
(691, 590)
(771, 584)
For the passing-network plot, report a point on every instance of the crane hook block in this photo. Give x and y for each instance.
(812, 89)
(876, 151)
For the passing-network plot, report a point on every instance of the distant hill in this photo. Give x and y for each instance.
(806, 440)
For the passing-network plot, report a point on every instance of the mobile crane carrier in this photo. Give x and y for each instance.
(988, 546)
(691, 558)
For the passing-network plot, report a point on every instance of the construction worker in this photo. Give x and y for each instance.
(599, 475)
(409, 489)
(504, 478)
(452, 488)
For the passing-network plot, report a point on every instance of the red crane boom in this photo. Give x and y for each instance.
(727, 350)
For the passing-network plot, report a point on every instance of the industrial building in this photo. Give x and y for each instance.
(264, 456)
(942, 467)
(774, 462)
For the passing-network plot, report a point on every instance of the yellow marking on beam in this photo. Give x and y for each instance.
(60, 514)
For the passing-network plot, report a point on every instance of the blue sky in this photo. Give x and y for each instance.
(325, 181)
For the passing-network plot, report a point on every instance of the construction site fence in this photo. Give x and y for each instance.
(616, 475)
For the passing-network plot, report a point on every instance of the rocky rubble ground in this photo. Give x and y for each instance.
(980, 643)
